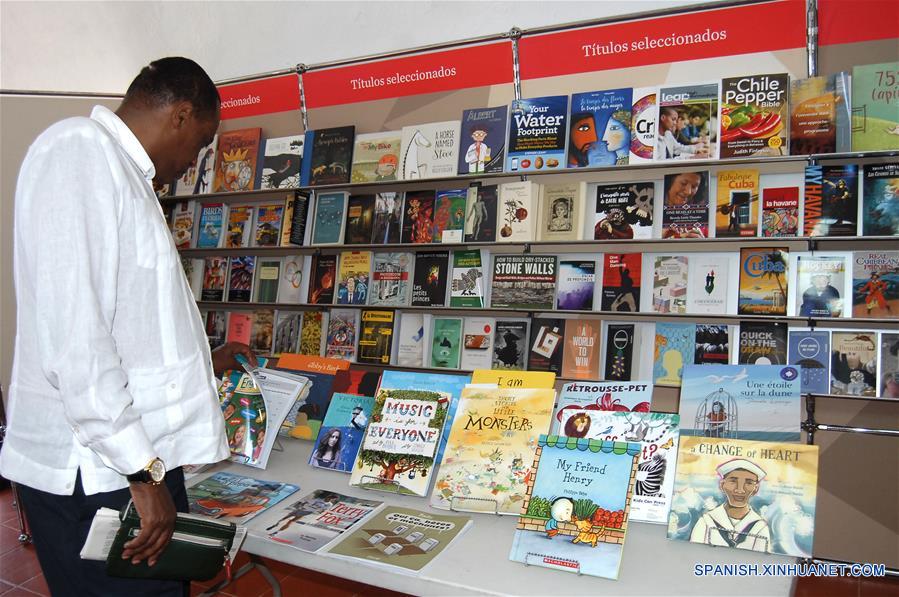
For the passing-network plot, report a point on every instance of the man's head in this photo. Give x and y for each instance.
(739, 480)
(667, 118)
(478, 133)
(172, 107)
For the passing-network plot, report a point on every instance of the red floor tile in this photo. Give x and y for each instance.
(9, 539)
(19, 592)
(19, 565)
(5, 587)
(37, 584)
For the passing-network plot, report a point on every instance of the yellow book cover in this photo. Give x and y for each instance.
(353, 278)
(736, 214)
(491, 446)
(515, 379)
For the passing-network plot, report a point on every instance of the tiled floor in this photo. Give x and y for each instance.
(20, 574)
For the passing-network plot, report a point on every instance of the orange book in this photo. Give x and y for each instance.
(235, 160)
(580, 356)
(302, 362)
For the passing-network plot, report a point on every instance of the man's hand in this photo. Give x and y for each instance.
(223, 357)
(157, 521)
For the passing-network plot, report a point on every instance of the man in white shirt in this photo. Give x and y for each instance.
(112, 379)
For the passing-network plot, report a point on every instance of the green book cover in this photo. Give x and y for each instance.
(467, 288)
(268, 274)
(875, 111)
(446, 343)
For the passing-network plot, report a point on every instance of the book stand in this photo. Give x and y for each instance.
(454, 508)
(547, 561)
(381, 480)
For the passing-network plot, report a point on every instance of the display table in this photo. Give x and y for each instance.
(478, 562)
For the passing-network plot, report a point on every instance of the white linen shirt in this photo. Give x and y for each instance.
(111, 366)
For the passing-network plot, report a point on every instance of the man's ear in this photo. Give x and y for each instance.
(181, 113)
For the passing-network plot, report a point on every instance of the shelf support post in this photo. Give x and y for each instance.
(304, 114)
(515, 35)
(811, 43)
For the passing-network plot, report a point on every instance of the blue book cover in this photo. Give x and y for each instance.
(810, 351)
(306, 170)
(240, 278)
(599, 128)
(537, 132)
(212, 223)
(755, 402)
(576, 282)
(578, 505)
(675, 347)
(483, 146)
(328, 226)
(341, 432)
(450, 386)
(304, 419)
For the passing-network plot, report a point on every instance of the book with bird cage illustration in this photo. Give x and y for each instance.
(490, 447)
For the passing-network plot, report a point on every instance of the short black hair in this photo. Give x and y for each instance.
(175, 79)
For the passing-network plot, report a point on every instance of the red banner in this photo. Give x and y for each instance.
(463, 68)
(848, 21)
(265, 96)
(765, 27)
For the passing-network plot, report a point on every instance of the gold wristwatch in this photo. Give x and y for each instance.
(153, 473)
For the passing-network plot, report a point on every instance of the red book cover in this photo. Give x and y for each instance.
(621, 281)
(240, 327)
(235, 160)
(780, 211)
(356, 381)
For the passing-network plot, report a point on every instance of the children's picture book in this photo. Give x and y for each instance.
(820, 111)
(430, 150)
(510, 344)
(305, 417)
(211, 225)
(875, 113)
(687, 124)
(321, 283)
(580, 355)
(675, 345)
(331, 156)
(669, 283)
(819, 285)
(514, 379)
(343, 327)
(311, 336)
(600, 128)
(449, 215)
(446, 343)
(429, 279)
(523, 282)
(754, 115)
(290, 280)
(376, 337)
(391, 279)
(880, 200)
(183, 218)
(489, 447)
(480, 214)
(537, 130)
(268, 274)
(235, 160)
(711, 271)
(577, 506)
(780, 211)
(546, 344)
(477, 343)
(400, 539)
(329, 218)
(215, 272)
(809, 350)
(764, 276)
(685, 210)
(620, 342)
(240, 226)
(319, 518)
(741, 494)
(376, 156)
(198, 178)
(467, 286)
(738, 203)
(418, 217)
(287, 332)
(562, 211)
(762, 343)
(712, 344)
(341, 432)
(576, 283)
(281, 162)
(889, 366)
(657, 434)
(623, 211)
(241, 272)
(357, 382)
(753, 402)
(485, 128)
(235, 498)
(853, 363)
(353, 278)
(644, 112)
(831, 200)
(875, 284)
(388, 217)
(411, 340)
(360, 213)
(578, 396)
(621, 281)
(517, 216)
(400, 443)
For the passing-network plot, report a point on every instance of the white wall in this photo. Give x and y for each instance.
(100, 46)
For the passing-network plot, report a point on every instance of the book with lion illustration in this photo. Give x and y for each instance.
(577, 507)
(491, 444)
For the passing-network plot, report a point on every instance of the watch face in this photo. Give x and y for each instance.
(157, 471)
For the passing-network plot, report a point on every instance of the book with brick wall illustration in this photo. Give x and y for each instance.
(577, 506)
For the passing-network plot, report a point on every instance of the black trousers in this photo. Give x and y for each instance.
(59, 525)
